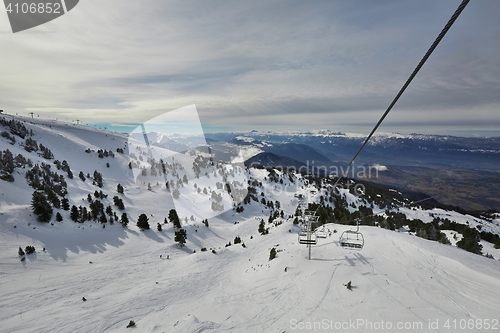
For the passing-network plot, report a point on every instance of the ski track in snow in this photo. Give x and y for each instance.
(396, 277)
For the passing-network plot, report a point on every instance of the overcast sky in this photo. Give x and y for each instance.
(265, 65)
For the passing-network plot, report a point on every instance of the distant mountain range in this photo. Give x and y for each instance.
(272, 160)
(459, 171)
(393, 148)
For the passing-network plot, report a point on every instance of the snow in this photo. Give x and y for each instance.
(396, 277)
(379, 167)
(249, 151)
(244, 139)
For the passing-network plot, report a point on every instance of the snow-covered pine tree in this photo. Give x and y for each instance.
(180, 237)
(41, 206)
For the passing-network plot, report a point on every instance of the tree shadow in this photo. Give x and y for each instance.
(61, 238)
(151, 234)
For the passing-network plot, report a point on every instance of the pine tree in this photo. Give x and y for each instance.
(53, 198)
(41, 206)
(158, 226)
(262, 228)
(443, 239)
(272, 254)
(432, 233)
(59, 217)
(82, 176)
(65, 203)
(84, 216)
(29, 249)
(119, 188)
(142, 222)
(180, 237)
(20, 251)
(118, 202)
(98, 178)
(124, 220)
(497, 244)
(470, 241)
(422, 233)
(74, 213)
(174, 218)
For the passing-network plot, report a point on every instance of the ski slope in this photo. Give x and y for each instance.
(127, 274)
(396, 278)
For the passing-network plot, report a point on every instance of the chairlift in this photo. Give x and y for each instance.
(304, 238)
(352, 239)
(321, 233)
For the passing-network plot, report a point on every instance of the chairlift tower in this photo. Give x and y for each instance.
(311, 218)
(308, 217)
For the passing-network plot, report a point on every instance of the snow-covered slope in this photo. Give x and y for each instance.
(396, 278)
(127, 274)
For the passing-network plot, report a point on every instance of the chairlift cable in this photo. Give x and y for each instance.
(412, 76)
(443, 32)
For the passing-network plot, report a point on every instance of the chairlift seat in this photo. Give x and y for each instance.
(321, 234)
(304, 239)
(352, 240)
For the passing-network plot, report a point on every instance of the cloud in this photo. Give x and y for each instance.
(282, 65)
